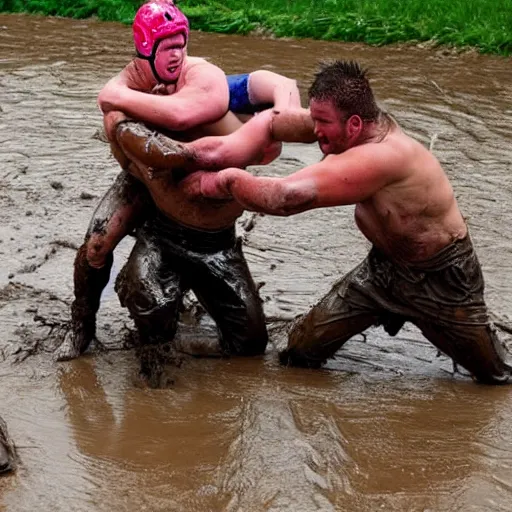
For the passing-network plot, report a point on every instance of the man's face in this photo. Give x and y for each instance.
(330, 127)
(169, 58)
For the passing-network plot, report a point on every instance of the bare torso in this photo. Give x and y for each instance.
(184, 203)
(179, 199)
(415, 217)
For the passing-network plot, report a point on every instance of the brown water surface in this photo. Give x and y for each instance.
(386, 426)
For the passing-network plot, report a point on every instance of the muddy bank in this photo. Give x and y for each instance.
(385, 425)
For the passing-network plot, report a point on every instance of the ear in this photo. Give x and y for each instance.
(354, 125)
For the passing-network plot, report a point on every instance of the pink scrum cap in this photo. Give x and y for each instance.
(154, 21)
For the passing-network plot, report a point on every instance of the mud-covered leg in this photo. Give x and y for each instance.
(319, 334)
(89, 283)
(124, 207)
(227, 291)
(452, 315)
(121, 208)
(476, 348)
(152, 293)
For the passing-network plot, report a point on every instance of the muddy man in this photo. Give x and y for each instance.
(183, 241)
(422, 267)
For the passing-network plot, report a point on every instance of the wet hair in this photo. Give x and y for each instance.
(346, 84)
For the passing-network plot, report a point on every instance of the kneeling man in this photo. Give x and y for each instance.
(422, 267)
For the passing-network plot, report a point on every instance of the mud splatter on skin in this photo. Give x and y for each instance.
(122, 208)
(89, 283)
(161, 155)
(99, 227)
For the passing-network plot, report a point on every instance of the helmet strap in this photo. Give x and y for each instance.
(153, 68)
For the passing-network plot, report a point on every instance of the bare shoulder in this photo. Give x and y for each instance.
(198, 65)
(417, 165)
(403, 153)
(393, 152)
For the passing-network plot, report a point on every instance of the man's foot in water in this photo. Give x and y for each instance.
(76, 341)
(153, 361)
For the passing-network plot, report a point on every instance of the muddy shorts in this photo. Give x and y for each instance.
(443, 296)
(240, 97)
(169, 259)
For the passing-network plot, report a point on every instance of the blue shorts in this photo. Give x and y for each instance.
(239, 99)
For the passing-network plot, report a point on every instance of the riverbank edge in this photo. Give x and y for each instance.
(347, 27)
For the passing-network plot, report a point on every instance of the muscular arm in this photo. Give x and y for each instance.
(241, 148)
(293, 125)
(349, 178)
(246, 145)
(272, 88)
(203, 99)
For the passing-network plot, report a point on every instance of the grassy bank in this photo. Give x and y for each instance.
(483, 24)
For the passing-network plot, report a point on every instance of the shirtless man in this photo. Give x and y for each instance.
(188, 97)
(422, 267)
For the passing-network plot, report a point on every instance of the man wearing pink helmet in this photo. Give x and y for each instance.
(187, 97)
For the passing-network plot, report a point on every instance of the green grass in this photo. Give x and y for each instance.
(482, 24)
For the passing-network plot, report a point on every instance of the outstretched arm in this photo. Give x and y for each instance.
(241, 148)
(293, 125)
(338, 180)
(245, 146)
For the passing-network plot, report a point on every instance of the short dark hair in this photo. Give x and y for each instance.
(346, 84)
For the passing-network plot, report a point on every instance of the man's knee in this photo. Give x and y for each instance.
(257, 338)
(312, 340)
(150, 308)
(298, 353)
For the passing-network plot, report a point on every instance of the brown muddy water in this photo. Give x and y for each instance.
(386, 426)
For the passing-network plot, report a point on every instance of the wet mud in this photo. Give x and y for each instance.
(7, 450)
(386, 425)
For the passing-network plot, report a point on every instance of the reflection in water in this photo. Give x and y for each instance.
(245, 436)
(383, 427)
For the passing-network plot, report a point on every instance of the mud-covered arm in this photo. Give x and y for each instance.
(293, 125)
(162, 154)
(350, 178)
(136, 76)
(246, 146)
(203, 99)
